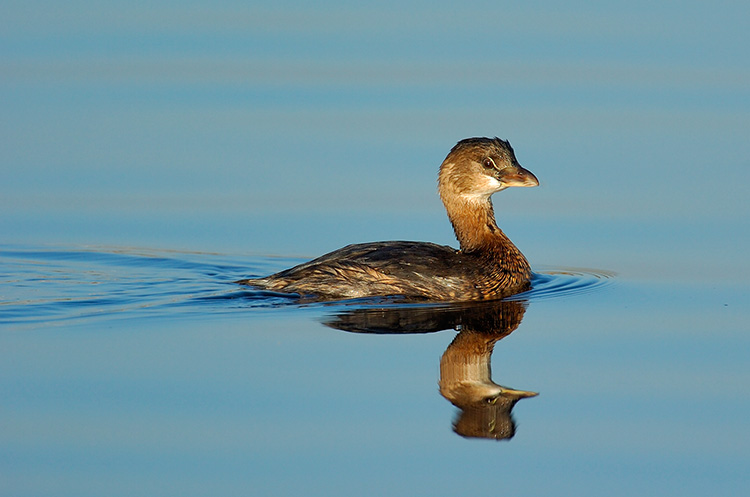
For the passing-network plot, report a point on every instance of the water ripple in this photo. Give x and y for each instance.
(553, 283)
(53, 285)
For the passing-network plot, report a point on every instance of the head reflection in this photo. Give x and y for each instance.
(465, 367)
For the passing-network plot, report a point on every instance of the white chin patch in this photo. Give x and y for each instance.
(483, 190)
(490, 186)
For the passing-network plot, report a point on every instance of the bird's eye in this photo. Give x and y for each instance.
(489, 163)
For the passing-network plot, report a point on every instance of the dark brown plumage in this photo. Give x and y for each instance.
(487, 266)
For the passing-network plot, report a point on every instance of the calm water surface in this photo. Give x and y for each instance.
(153, 370)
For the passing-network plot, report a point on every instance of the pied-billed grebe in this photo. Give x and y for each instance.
(488, 265)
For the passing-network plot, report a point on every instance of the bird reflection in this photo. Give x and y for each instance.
(465, 367)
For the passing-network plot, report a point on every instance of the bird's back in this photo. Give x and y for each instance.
(414, 270)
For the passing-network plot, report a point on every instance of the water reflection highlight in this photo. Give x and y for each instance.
(465, 367)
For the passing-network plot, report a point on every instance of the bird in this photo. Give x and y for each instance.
(487, 265)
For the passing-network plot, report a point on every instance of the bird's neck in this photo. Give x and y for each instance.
(473, 221)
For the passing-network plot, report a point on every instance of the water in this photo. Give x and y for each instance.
(47, 286)
(152, 369)
(152, 153)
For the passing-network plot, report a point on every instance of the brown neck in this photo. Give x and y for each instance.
(473, 221)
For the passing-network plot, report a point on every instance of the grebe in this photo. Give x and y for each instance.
(488, 265)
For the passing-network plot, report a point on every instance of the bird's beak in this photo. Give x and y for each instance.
(518, 176)
(520, 394)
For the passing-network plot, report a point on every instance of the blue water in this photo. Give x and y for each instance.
(152, 153)
(152, 369)
(47, 286)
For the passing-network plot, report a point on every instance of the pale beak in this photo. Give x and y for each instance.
(520, 394)
(518, 176)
